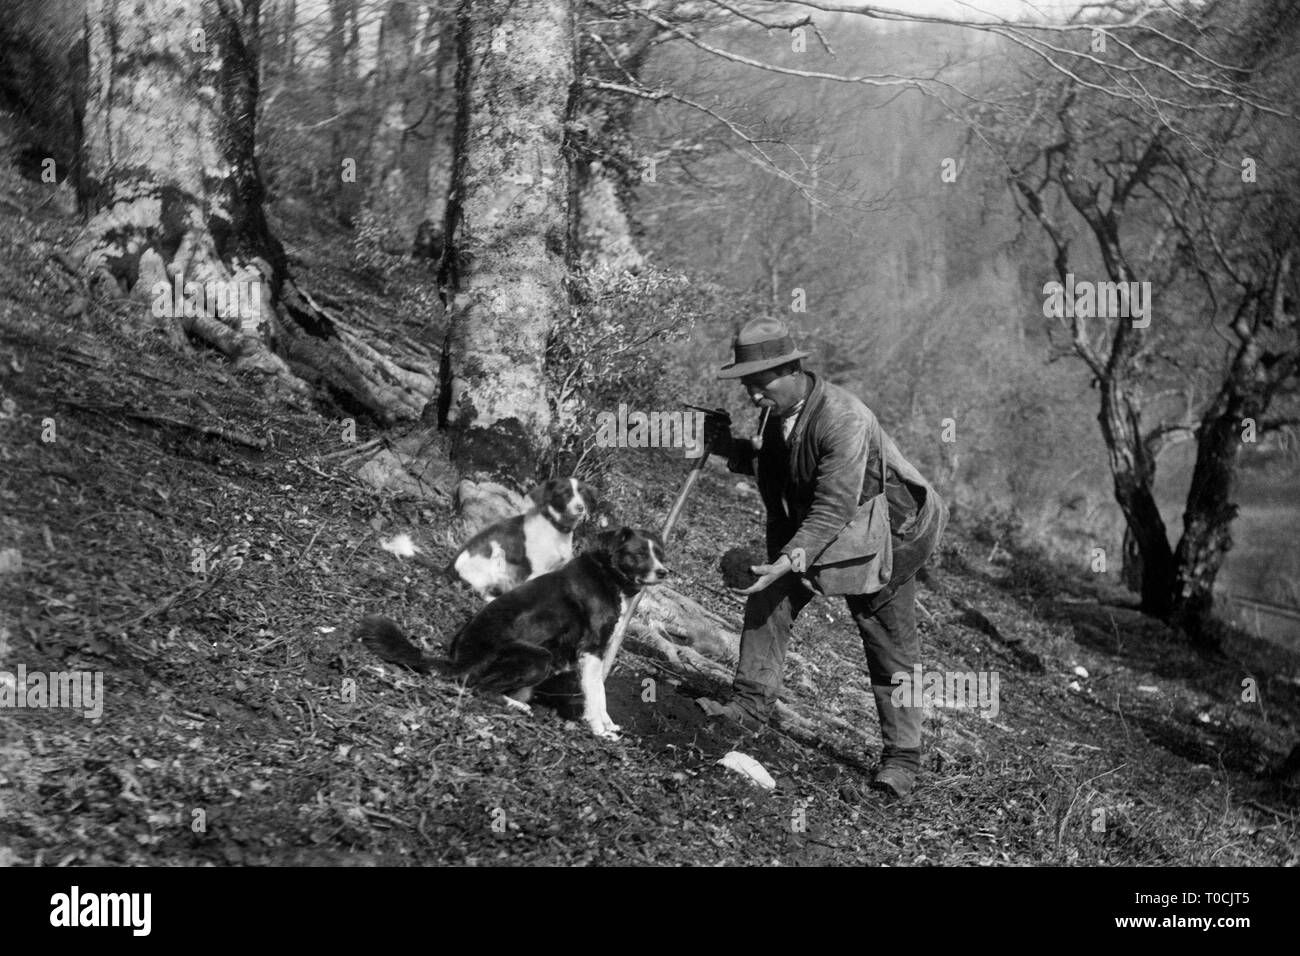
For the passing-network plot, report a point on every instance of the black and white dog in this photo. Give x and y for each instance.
(547, 631)
(506, 554)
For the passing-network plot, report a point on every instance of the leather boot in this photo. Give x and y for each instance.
(893, 780)
(900, 732)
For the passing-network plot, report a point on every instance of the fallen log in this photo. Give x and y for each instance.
(651, 641)
(690, 623)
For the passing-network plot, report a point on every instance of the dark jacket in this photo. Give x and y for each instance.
(815, 486)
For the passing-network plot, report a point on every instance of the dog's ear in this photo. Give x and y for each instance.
(611, 540)
(588, 495)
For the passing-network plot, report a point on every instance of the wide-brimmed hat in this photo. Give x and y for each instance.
(762, 343)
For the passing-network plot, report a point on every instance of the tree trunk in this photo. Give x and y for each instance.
(288, 38)
(442, 136)
(176, 201)
(604, 231)
(508, 224)
(1130, 574)
(603, 166)
(1253, 377)
(43, 81)
(280, 30)
(346, 194)
(1207, 520)
(1133, 471)
(390, 201)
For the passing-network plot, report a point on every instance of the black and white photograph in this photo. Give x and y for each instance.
(651, 433)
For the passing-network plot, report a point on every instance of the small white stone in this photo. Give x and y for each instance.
(747, 766)
(1080, 671)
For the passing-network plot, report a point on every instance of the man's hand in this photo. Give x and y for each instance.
(767, 573)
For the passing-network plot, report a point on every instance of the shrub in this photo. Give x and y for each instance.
(376, 234)
(615, 346)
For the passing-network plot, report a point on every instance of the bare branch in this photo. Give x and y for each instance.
(804, 21)
(867, 79)
(757, 154)
(1165, 436)
(1220, 89)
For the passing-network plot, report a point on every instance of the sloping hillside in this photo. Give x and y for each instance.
(228, 734)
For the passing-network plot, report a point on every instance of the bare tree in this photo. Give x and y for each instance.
(1133, 164)
(281, 30)
(390, 198)
(341, 43)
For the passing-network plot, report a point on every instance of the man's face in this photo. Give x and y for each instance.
(768, 388)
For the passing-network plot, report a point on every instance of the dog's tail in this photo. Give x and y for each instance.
(386, 640)
(403, 547)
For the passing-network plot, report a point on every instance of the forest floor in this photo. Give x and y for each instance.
(229, 733)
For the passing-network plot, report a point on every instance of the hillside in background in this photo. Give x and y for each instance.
(226, 690)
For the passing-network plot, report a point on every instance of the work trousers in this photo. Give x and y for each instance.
(886, 621)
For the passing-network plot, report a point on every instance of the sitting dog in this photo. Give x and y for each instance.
(506, 554)
(547, 630)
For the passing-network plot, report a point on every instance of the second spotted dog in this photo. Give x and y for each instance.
(506, 554)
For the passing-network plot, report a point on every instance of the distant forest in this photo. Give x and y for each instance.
(901, 188)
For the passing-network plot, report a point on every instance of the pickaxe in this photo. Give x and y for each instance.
(620, 629)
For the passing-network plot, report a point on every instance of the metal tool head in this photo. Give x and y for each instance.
(713, 412)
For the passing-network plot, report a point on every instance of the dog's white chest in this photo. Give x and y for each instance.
(545, 546)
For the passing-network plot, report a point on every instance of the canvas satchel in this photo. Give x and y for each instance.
(861, 558)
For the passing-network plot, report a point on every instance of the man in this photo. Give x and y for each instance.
(818, 466)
